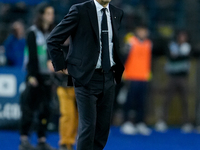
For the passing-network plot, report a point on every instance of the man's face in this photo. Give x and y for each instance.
(103, 1)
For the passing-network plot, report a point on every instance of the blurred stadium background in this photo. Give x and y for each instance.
(164, 18)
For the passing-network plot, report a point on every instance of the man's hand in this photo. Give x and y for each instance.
(64, 71)
(50, 67)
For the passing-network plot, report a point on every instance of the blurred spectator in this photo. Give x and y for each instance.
(177, 67)
(165, 12)
(5, 13)
(15, 44)
(137, 72)
(12, 12)
(20, 10)
(68, 121)
(37, 95)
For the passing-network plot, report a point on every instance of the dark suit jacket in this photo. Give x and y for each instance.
(82, 25)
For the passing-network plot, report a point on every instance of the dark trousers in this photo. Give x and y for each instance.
(95, 103)
(136, 100)
(35, 100)
(177, 85)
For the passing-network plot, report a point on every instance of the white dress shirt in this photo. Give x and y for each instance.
(110, 32)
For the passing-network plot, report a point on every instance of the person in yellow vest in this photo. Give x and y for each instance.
(68, 121)
(137, 72)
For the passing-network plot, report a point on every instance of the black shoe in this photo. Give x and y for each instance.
(25, 145)
(44, 146)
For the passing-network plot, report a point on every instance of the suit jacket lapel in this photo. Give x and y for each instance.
(114, 23)
(93, 18)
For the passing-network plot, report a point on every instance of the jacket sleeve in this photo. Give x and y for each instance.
(32, 66)
(58, 36)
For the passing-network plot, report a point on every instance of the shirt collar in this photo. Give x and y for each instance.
(99, 6)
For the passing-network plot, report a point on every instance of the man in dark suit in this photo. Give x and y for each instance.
(93, 62)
